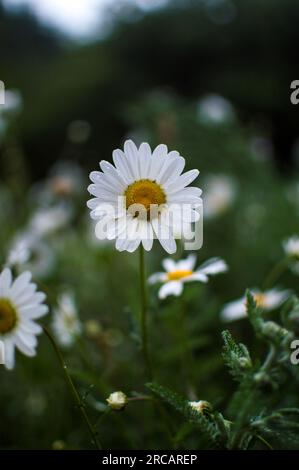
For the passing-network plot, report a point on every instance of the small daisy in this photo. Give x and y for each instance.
(66, 324)
(291, 247)
(220, 193)
(269, 300)
(144, 196)
(45, 221)
(20, 306)
(177, 273)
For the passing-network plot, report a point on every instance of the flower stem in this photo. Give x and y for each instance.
(275, 273)
(143, 316)
(73, 389)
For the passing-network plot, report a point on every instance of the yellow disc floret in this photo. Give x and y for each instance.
(146, 193)
(180, 274)
(8, 316)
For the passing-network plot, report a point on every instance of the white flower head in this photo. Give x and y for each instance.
(220, 193)
(144, 196)
(268, 300)
(45, 221)
(178, 273)
(28, 252)
(291, 247)
(20, 249)
(215, 109)
(20, 306)
(117, 400)
(66, 324)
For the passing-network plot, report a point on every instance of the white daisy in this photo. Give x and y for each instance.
(20, 305)
(268, 300)
(28, 252)
(144, 196)
(66, 323)
(215, 109)
(45, 221)
(177, 273)
(291, 247)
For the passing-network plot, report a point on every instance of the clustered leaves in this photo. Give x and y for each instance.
(254, 417)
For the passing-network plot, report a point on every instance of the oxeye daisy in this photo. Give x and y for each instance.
(20, 305)
(66, 323)
(143, 196)
(268, 300)
(178, 273)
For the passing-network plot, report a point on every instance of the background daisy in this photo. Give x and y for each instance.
(20, 305)
(269, 300)
(177, 273)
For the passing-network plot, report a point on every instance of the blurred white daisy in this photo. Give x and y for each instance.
(20, 249)
(291, 249)
(28, 252)
(268, 300)
(177, 273)
(66, 324)
(20, 306)
(50, 219)
(220, 193)
(215, 109)
(144, 196)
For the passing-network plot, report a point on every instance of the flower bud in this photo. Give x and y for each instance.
(203, 407)
(117, 400)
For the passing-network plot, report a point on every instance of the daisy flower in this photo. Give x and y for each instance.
(143, 196)
(268, 300)
(20, 306)
(291, 247)
(177, 273)
(66, 323)
(220, 193)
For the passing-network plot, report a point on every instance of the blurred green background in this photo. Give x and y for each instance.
(209, 78)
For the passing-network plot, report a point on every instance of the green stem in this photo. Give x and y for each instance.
(73, 389)
(143, 317)
(275, 273)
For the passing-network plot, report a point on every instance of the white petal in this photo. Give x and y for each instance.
(5, 281)
(27, 350)
(122, 166)
(169, 265)
(157, 161)
(171, 288)
(145, 154)
(184, 180)
(157, 277)
(21, 283)
(234, 310)
(34, 311)
(9, 354)
(213, 266)
(131, 153)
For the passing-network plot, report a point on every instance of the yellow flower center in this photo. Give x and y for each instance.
(180, 274)
(259, 299)
(8, 316)
(146, 193)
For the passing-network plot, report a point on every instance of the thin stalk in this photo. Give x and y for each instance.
(143, 316)
(275, 273)
(73, 390)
